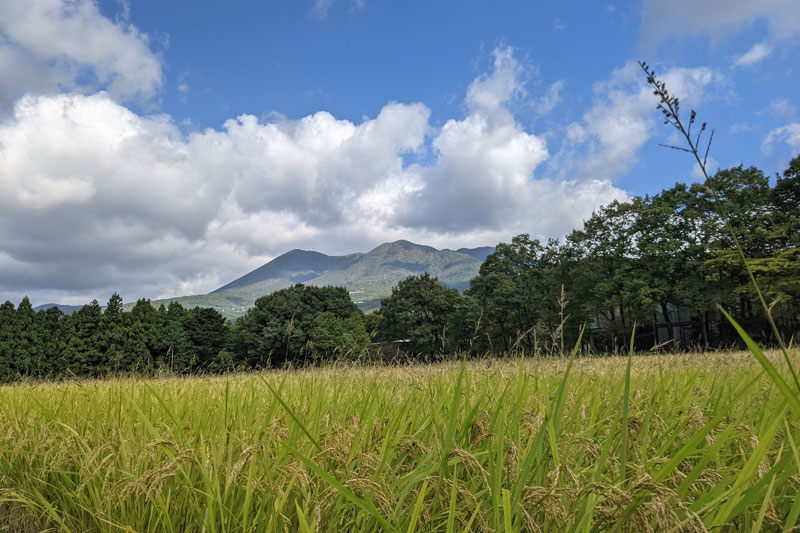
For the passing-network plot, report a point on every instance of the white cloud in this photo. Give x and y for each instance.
(489, 93)
(183, 92)
(716, 18)
(607, 142)
(91, 193)
(321, 8)
(783, 108)
(95, 198)
(548, 101)
(319, 165)
(757, 53)
(51, 45)
(483, 176)
(741, 127)
(711, 167)
(790, 134)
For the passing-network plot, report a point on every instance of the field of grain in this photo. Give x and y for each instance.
(694, 442)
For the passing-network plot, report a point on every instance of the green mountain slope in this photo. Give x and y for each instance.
(297, 266)
(372, 277)
(369, 277)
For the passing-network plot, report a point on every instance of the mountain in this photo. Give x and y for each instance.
(372, 276)
(66, 309)
(368, 276)
(297, 266)
(478, 253)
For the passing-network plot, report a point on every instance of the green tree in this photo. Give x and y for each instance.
(85, 356)
(510, 288)
(207, 335)
(421, 311)
(605, 287)
(7, 316)
(179, 353)
(28, 343)
(333, 336)
(278, 327)
(53, 325)
(114, 335)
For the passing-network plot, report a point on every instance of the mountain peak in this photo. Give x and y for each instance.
(402, 244)
(295, 266)
(368, 276)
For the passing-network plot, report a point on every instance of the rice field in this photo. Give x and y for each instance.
(694, 442)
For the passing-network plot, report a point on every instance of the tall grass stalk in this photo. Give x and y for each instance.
(493, 445)
(669, 105)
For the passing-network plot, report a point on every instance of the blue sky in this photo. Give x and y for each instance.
(164, 148)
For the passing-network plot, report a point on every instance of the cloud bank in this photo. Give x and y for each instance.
(96, 197)
(52, 45)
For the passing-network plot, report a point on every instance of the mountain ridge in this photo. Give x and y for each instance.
(369, 276)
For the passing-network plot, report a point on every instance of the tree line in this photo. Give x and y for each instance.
(650, 261)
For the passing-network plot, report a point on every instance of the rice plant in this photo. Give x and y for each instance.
(694, 442)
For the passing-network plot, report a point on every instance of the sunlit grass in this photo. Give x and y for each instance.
(700, 441)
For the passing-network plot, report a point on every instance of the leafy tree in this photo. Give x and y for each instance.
(52, 324)
(372, 322)
(278, 327)
(114, 333)
(145, 341)
(421, 311)
(670, 249)
(786, 194)
(335, 336)
(605, 286)
(510, 288)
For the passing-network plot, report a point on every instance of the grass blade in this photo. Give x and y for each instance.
(344, 491)
(412, 526)
(292, 414)
(623, 462)
(766, 364)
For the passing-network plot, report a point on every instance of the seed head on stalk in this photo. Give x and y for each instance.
(669, 105)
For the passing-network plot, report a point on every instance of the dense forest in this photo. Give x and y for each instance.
(662, 262)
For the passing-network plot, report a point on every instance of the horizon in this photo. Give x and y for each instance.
(155, 151)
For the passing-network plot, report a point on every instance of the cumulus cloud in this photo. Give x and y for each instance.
(51, 45)
(607, 142)
(321, 8)
(96, 198)
(318, 165)
(87, 183)
(716, 18)
(758, 53)
(790, 134)
(711, 165)
(483, 176)
(92, 194)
